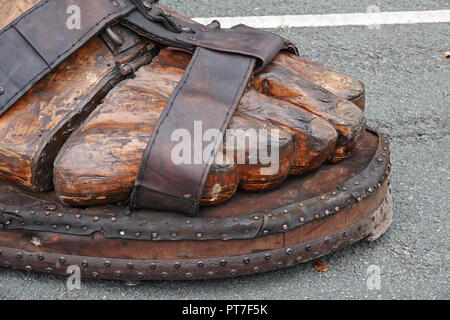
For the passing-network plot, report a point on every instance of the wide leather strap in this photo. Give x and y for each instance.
(206, 96)
(40, 39)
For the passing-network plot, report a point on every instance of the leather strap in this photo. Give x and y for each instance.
(40, 39)
(208, 93)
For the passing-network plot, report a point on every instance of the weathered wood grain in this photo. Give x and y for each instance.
(12, 9)
(34, 128)
(279, 81)
(100, 162)
(314, 137)
(335, 82)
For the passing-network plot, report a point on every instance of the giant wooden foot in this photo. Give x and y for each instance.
(306, 217)
(71, 148)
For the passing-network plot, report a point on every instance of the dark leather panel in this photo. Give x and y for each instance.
(209, 92)
(39, 40)
(46, 27)
(19, 65)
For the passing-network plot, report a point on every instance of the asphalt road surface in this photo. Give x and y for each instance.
(408, 98)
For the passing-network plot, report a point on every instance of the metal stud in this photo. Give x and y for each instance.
(84, 263)
(285, 211)
(154, 235)
(308, 247)
(223, 262)
(130, 265)
(299, 259)
(246, 260)
(78, 216)
(49, 270)
(19, 255)
(173, 235)
(113, 219)
(177, 265)
(40, 256)
(255, 269)
(2, 90)
(188, 275)
(200, 264)
(336, 209)
(122, 233)
(140, 275)
(164, 275)
(199, 235)
(60, 215)
(301, 219)
(96, 219)
(327, 212)
(95, 274)
(62, 259)
(356, 182)
(67, 227)
(267, 256)
(289, 251)
(84, 228)
(322, 197)
(152, 265)
(107, 264)
(317, 216)
(285, 227)
(47, 213)
(301, 205)
(137, 234)
(118, 274)
(265, 232)
(233, 272)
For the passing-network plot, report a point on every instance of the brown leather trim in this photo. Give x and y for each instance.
(208, 92)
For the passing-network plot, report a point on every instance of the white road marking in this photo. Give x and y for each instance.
(332, 20)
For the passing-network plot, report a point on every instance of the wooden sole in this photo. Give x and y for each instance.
(307, 217)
